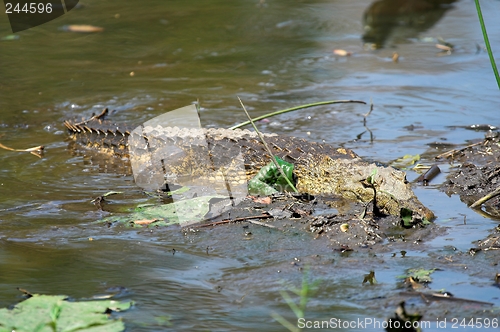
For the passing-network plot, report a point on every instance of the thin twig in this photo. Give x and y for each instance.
(273, 158)
(261, 224)
(226, 221)
(369, 112)
(482, 200)
(454, 151)
(297, 108)
(37, 150)
(100, 116)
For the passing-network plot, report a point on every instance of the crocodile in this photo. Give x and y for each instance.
(319, 168)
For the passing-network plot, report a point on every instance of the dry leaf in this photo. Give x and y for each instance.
(413, 283)
(395, 57)
(82, 28)
(342, 53)
(145, 221)
(444, 47)
(262, 200)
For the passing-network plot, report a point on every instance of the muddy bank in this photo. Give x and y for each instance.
(477, 175)
(294, 234)
(347, 225)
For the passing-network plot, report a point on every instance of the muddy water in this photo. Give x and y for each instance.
(155, 56)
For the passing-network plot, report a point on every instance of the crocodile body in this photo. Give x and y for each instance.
(210, 154)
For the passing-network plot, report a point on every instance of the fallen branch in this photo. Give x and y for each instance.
(255, 222)
(486, 198)
(37, 150)
(454, 151)
(429, 297)
(226, 221)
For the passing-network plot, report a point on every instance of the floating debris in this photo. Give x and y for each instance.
(429, 175)
(37, 150)
(342, 53)
(370, 277)
(395, 57)
(82, 28)
(10, 37)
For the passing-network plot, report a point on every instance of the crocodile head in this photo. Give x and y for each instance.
(357, 180)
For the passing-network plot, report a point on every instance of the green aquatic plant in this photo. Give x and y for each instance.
(307, 290)
(273, 158)
(487, 42)
(269, 180)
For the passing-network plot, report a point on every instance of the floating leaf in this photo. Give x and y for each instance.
(421, 167)
(370, 277)
(406, 161)
(145, 221)
(46, 313)
(445, 48)
(10, 37)
(420, 275)
(342, 53)
(444, 45)
(83, 28)
(182, 212)
(413, 283)
(395, 57)
(109, 193)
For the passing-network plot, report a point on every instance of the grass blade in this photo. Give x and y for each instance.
(297, 108)
(487, 42)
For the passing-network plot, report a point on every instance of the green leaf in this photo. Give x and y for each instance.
(179, 191)
(420, 275)
(370, 277)
(269, 180)
(193, 209)
(371, 178)
(109, 193)
(406, 161)
(425, 221)
(45, 313)
(10, 37)
(407, 217)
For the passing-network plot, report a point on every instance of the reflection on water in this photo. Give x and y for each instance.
(274, 54)
(393, 21)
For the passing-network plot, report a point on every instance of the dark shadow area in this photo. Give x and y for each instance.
(390, 21)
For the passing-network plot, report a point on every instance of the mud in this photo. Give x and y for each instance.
(347, 225)
(311, 233)
(478, 173)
